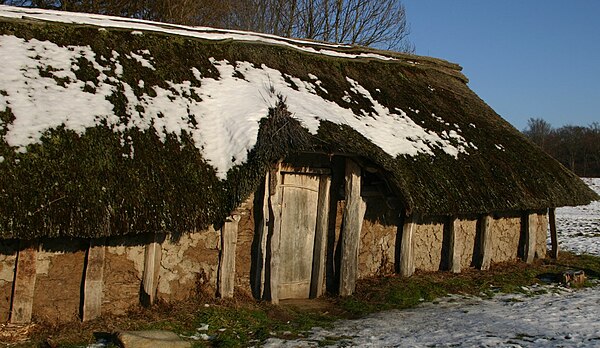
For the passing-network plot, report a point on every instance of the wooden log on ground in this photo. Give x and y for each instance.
(275, 197)
(486, 242)
(24, 283)
(354, 212)
(322, 229)
(152, 257)
(454, 247)
(94, 280)
(407, 259)
(229, 234)
(553, 233)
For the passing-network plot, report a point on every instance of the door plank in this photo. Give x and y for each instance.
(322, 229)
(298, 224)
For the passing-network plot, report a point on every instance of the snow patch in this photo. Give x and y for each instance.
(142, 60)
(43, 93)
(579, 227)
(138, 25)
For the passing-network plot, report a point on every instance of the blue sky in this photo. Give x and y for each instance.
(525, 58)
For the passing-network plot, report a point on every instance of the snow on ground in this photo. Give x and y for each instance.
(565, 318)
(579, 227)
(544, 316)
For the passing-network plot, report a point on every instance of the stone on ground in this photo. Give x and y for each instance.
(151, 339)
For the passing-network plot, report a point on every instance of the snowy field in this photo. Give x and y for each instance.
(579, 227)
(545, 316)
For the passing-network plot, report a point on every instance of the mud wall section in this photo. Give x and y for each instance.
(189, 265)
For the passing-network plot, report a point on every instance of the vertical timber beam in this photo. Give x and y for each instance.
(24, 283)
(275, 198)
(152, 259)
(261, 257)
(530, 227)
(553, 234)
(93, 283)
(322, 229)
(486, 242)
(407, 259)
(229, 234)
(455, 247)
(354, 213)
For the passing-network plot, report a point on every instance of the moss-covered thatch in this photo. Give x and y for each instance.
(101, 182)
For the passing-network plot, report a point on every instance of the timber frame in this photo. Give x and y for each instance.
(267, 270)
(342, 182)
(349, 171)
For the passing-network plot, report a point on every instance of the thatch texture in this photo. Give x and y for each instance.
(106, 182)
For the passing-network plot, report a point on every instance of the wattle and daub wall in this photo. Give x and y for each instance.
(189, 266)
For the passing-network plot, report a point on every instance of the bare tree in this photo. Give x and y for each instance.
(576, 147)
(538, 130)
(379, 23)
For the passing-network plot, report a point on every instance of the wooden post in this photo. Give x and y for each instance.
(553, 234)
(262, 233)
(322, 228)
(486, 242)
(152, 259)
(24, 283)
(530, 236)
(94, 280)
(275, 197)
(454, 247)
(407, 260)
(354, 212)
(229, 234)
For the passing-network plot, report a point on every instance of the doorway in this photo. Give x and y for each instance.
(300, 195)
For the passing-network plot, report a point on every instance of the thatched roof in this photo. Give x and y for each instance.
(115, 126)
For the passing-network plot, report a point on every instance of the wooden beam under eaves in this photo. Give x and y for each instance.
(485, 234)
(24, 283)
(553, 234)
(93, 281)
(275, 198)
(354, 212)
(407, 260)
(229, 234)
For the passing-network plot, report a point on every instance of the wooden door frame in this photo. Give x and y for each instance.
(273, 203)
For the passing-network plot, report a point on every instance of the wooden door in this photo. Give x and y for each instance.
(298, 224)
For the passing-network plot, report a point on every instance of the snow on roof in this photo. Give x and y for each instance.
(205, 33)
(39, 85)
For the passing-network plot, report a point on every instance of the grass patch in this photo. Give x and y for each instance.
(244, 321)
